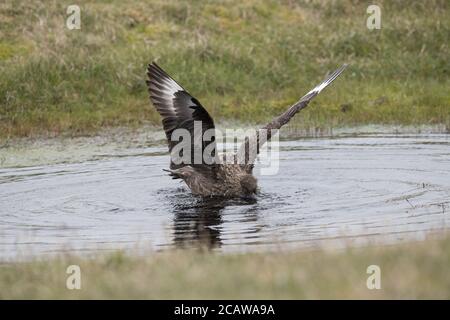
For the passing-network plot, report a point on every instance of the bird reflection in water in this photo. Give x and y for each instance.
(198, 221)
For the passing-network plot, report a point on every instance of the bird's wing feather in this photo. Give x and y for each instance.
(180, 110)
(250, 147)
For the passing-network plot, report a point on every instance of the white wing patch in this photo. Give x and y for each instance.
(327, 81)
(170, 87)
(162, 90)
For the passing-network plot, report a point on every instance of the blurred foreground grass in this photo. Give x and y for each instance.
(414, 270)
(245, 60)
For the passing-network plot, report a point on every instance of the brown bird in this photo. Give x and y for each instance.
(212, 175)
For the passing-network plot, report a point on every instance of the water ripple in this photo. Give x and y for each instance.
(349, 188)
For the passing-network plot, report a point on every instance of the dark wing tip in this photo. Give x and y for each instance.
(151, 69)
(153, 64)
(155, 71)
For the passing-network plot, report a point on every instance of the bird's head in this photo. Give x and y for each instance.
(249, 184)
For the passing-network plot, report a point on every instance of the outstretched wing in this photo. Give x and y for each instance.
(180, 110)
(250, 147)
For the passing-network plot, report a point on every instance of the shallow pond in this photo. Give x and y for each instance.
(347, 188)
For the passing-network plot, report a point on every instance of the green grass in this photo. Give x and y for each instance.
(414, 270)
(245, 60)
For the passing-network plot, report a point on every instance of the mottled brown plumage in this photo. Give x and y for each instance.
(212, 175)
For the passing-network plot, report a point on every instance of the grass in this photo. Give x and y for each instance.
(414, 270)
(246, 60)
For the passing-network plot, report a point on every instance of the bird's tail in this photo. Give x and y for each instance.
(173, 173)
